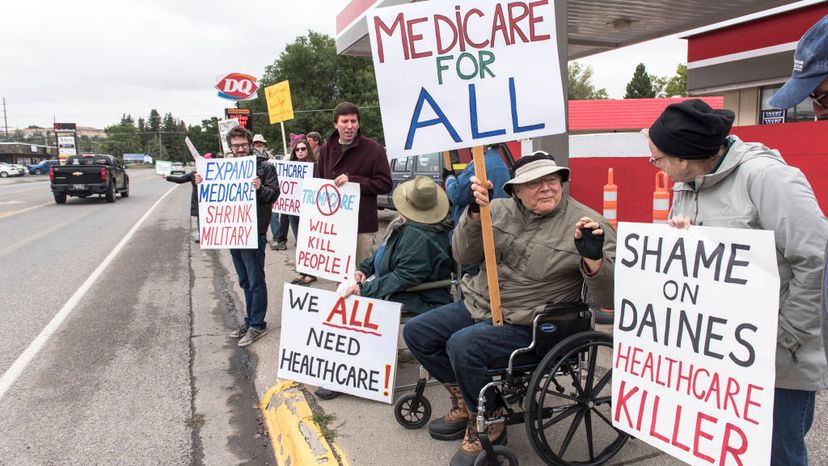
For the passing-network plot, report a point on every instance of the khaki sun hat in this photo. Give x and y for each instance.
(421, 200)
(533, 166)
(259, 138)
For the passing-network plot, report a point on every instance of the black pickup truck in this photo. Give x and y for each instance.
(85, 175)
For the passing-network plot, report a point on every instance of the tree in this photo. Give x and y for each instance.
(205, 137)
(640, 86)
(319, 80)
(580, 84)
(677, 85)
(121, 138)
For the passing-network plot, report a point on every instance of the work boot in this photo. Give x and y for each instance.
(471, 447)
(452, 425)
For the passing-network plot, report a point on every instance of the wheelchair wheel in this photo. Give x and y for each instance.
(411, 411)
(503, 457)
(571, 389)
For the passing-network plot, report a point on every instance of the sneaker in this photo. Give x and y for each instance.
(238, 333)
(252, 335)
(280, 246)
(273, 246)
(325, 394)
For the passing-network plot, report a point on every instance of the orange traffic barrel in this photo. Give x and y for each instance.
(611, 200)
(661, 199)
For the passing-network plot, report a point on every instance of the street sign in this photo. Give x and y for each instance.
(242, 115)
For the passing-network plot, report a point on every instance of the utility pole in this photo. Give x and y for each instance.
(5, 120)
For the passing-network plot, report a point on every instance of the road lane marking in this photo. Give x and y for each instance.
(22, 362)
(15, 212)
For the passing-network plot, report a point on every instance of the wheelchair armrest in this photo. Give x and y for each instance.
(558, 309)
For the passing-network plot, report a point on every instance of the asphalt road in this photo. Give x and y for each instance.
(112, 382)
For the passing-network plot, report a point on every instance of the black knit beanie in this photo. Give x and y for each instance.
(691, 129)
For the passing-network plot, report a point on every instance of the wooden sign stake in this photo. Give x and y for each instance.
(488, 240)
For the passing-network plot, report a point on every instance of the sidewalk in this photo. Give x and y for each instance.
(366, 433)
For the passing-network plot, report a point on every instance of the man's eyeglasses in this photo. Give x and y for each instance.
(551, 180)
(303, 149)
(239, 146)
(819, 99)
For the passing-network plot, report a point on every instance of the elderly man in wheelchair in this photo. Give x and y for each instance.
(548, 247)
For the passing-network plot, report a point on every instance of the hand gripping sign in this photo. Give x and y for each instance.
(347, 345)
(696, 315)
(328, 219)
(227, 203)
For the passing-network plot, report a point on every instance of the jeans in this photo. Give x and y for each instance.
(274, 225)
(793, 414)
(284, 220)
(454, 348)
(249, 264)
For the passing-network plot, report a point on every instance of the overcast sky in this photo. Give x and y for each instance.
(89, 61)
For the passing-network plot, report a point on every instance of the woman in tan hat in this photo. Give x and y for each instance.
(415, 250)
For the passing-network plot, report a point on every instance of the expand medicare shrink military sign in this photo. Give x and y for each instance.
(227, 203)
(695, 341)
(328, 217)
(291, 178)
(454, 74)
(347, 345)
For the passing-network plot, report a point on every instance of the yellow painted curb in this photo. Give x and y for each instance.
(297, 440)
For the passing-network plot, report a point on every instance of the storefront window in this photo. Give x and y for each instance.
(804, 111)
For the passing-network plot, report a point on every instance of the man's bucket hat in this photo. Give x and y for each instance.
(259, 138)
(421, 200)
(810, 67)
(534, 166)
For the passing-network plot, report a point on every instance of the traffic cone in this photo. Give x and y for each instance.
(611, 201)
(661, 199)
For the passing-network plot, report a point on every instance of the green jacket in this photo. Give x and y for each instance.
(537, 262)
(414, 254)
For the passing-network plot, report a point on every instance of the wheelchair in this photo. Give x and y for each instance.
(553, 387)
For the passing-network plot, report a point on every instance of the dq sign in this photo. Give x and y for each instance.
(237, 86)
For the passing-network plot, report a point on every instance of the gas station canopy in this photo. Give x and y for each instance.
(593, 26)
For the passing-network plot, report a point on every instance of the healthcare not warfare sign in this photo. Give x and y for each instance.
(227, 203)
(328, 219)
(348, 345)
(695, 341)
(460, 74)
(291, 181)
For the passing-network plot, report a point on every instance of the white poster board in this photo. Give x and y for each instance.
(224, 127)
(227, 203)
(494, 78)
(328, 218)
(347, 345)
(291, 180)
(695, 341)
(163, 167)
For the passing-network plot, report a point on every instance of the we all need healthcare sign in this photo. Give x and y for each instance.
(454, 74)
(695, 341)
(227, 203)
(348, 345)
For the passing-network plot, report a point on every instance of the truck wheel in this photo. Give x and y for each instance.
(110, 193)
(60, 198)
(125, 192)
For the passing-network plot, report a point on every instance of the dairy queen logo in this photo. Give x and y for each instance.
(237, 86)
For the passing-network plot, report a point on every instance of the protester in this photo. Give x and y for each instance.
(249, 263)
(189, 178)
(260, 145)
(260, 148)
(315, 140)
(346, 156)
(724, 182)
(458, 186)
(415, 250)
(538, 263)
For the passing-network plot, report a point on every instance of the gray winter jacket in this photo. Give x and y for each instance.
(754, 188)
(537, 262)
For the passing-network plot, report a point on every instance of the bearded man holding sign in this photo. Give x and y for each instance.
(538, 263)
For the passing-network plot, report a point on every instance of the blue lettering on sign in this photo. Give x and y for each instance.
(441, 119)
(226, 170)
(513, 102)
(548, 328)
(476, 134)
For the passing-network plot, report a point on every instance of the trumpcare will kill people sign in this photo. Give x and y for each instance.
(291, 180)
(227, 203)
(695, 341)
(348, 345)
(453, 75)
(328, 219)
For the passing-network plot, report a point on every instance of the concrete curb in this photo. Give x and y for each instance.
(297, 439)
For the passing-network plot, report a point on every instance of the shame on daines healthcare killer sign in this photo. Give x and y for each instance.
(348, 345)
(454, 74)
(227, 203)
(695, 341)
